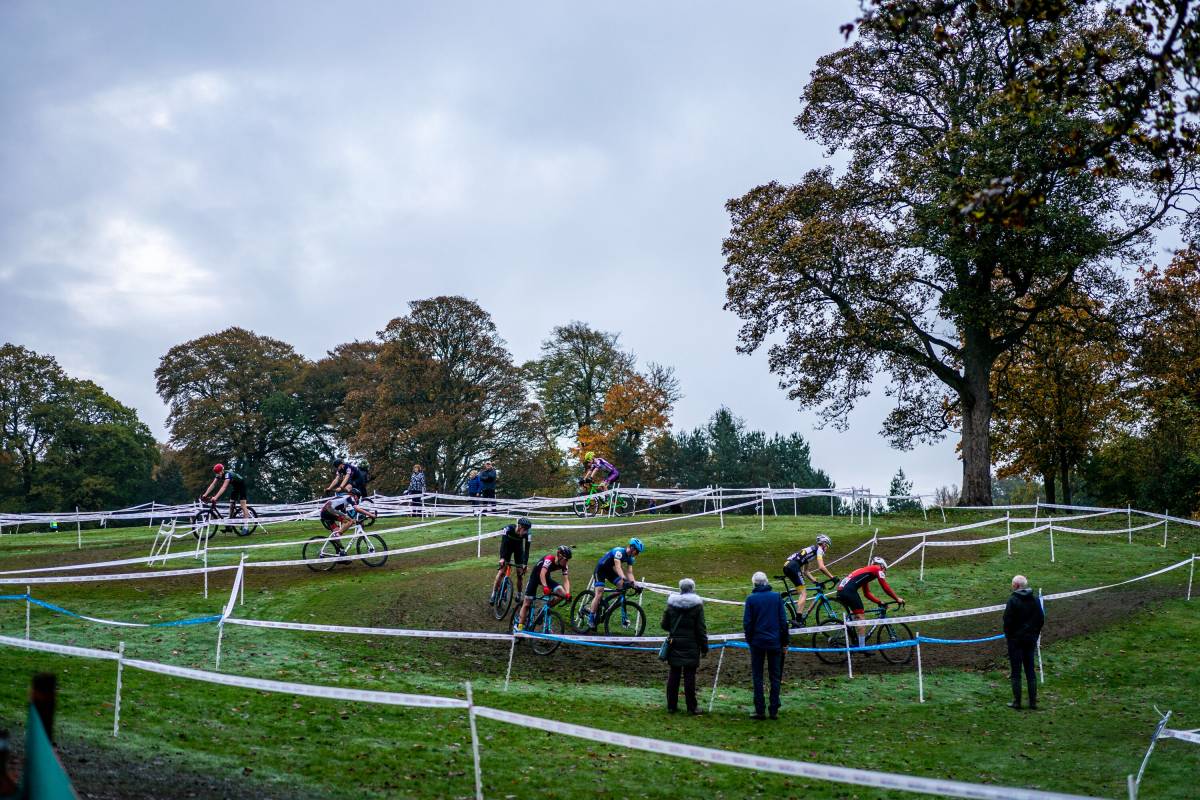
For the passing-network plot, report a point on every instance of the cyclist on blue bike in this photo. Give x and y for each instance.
(541, 582)
(615, 567)
(798, 567)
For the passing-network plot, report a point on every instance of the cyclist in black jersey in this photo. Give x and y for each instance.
(540, 582)
(230, 480)
(797, 569)
(347, 476)
(514, 550)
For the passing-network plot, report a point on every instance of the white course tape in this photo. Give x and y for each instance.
(1077, 592)
(989, 540)
(368, 631)
(943, 531)
(61, 649)
(121, 576)
(800, 769)
(308, 690)
(1185, 736)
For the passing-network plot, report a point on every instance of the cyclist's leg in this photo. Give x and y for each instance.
(854, 606)
(500, 569)
(792, 571)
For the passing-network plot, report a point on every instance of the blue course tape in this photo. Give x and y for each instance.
(69, 613)
(933, 640)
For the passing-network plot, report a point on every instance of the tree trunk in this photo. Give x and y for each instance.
(1048, 484)
(976, 435)
(1064, 472)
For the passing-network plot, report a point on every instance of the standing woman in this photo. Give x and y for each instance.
(688, 642)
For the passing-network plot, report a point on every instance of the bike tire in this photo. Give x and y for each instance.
(550, 622)
(614, 625)
(369, 547)
(584, 508)
(889, 632)
(622, 505)
(202, 519)
(315, 548)
(793, 619)
(580, 609)
(830, 639)
(827, 614)
(504, 599)
(247, 529)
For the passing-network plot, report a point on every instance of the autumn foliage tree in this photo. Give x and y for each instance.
(635, 411)
(883, 269)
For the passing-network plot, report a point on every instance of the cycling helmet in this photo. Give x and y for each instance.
(636, 544)
(218, 468)
(524, 522)
(589, 456)
(565, 551)
(879, 562)
(824, 540)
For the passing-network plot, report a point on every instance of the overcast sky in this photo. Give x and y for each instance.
(305, 169)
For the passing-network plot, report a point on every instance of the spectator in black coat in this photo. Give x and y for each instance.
(688, 642)
(767, 635)
(1023, 620)
(487, 483)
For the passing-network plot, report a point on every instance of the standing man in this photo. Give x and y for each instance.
(474, 487)
(1023, 620)
(767, 635)
(487, 484)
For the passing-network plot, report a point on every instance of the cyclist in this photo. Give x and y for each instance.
(847, 591)
(593, 467)
(615, 567)
(514, 549)
(797, 567)
(230, 480)
(339, 513)
(345, 476)
(540, 578)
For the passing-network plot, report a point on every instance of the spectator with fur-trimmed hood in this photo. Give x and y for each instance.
(687, 644)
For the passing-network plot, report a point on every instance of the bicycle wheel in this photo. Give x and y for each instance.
(200, 524)
(827, 614)
(890, 632)
(621, 505)
(316, 548)
(551, 623)
(584, 508)
(580, 610)
(503, 599)
(832, 646)
(370, 547)
(793, 618)
(249, 523)
(630, 623)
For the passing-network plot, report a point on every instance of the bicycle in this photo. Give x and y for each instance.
(826, 612)
(542, 619)
(370, 548)
(879, 633)
(630, 621)
(508, 590)
(204, 517)
(596, 503)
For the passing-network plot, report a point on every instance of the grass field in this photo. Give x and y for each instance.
(1109, 658)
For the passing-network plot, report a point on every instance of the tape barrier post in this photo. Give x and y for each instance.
(762, 511)
(28, 605)
(1052, 542)
(831, 505)
(774, 511)
(943, 510)
(79, 531)
(220, 634)
(478, 535)
(1131, 785)
(1008, 529)
(920, 673)
(1135, 783)
(1041, 669)
(1191, 572)
(717, 677)
(721, 506)
(206, 573)
(474, 743)
(1129, 520)
(869, 509)
(511, 652)
(922, 575)
(117, 700)
(849, 661)
(874, 540)
(795, 502)
(242, 582)
(1164, 528)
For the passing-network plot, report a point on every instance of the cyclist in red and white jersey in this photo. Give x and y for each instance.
(847, 591)
(541, 582)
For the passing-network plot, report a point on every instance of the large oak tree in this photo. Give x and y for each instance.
(882, 269)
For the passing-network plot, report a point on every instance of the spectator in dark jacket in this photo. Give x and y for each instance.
(1023, 620)
(765, 624)
(688, 642)
(474, 487)
(487, 480)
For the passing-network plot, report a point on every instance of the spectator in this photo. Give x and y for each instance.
(688, 642)
(416, 485)
(1023, 620)
(487, 483)
(765, 624)
(474, 487)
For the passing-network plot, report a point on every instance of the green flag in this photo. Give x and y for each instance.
(44, 777)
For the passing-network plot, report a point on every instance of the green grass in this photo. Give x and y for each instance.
(1109, 658)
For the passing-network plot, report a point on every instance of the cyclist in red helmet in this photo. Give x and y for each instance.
(230, 480)
(847, 591)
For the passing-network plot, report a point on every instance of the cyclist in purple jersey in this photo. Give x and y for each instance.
(594, 467)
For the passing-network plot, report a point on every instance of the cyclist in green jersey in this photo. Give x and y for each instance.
(230, 480)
